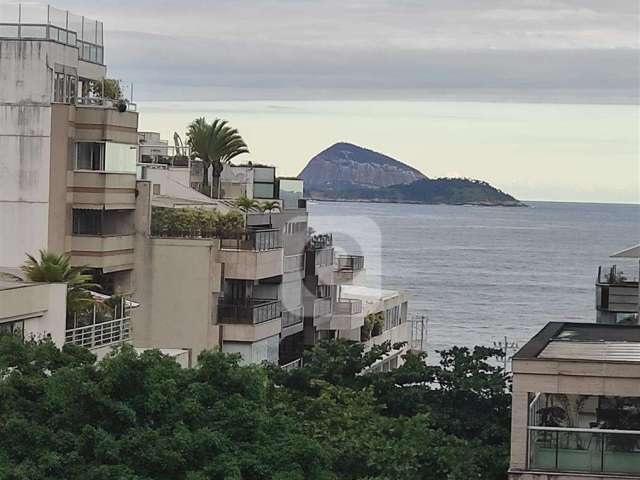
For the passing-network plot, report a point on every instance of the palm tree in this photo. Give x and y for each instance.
(269, 206)
(52, 268)
(215, 144)
(245, 204)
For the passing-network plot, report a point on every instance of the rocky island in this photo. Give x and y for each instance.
(348, 172)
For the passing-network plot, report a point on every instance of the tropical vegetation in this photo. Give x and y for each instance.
(215, 144)
(141, 417)
(195, 222)
(56, 268)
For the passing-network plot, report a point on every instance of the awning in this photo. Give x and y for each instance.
(633, 252)
(101, 297)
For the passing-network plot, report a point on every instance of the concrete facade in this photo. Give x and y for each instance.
(37, 310)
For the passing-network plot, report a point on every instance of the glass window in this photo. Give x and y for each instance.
(263, 190)
(58, 88)
(89, 156)
(12, 328)
(263, 174)
(87, 222)
(120, 157)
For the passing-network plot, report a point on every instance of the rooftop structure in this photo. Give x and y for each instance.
(576, 403)
(617, 292)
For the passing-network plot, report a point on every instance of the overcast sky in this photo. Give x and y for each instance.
(577, 50)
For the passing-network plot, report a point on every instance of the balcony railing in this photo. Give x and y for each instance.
(584, 450)
(292, 317)
(106, 102)
(42, 22)
(164, 155)
(317, 242)
(350, 263)
(322, 307)
(611, 275)
(348, 306)
(254, 312)
(254, 240)
(297, 363)
(100, 334)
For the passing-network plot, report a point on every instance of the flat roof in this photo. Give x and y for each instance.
(583, 341)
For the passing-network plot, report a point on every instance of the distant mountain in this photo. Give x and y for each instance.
(348, 172)
(344, 165)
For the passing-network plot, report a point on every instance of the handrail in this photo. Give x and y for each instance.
(584, 430)
(100, 334)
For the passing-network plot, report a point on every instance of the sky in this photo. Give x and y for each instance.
(560, 52)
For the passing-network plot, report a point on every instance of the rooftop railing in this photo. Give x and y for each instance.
(42, 22)
(254, 312)
(611, 275)
(164, 155)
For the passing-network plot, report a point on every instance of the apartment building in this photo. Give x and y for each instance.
(617, 293)
(385, 320)
(240, 294)
(576, 404)
(68, 182)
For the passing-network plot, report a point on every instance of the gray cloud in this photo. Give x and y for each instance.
(372, 48)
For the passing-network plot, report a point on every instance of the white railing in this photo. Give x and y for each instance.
(100, 334)
(297, 363)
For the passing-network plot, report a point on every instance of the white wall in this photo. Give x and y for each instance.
(25, 129)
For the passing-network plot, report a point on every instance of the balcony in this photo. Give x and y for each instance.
(616, 292)
(103, 326)
(322, 310)
(253, 312)
(347, 315)
(585, 450)
(344, 271)
(42, 22)
(108, 252)
(584, 434)
(256, 255)
(292, 321)
(163, 155)
(102, 190)
(251, 321)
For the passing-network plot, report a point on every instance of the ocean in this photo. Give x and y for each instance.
(482, 273)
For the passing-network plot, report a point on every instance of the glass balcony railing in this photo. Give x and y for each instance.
(612, 275)
(31, 21)
(252, 312)
(583, 450)
(254, 240)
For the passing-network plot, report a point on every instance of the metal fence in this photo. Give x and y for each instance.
(100, 334)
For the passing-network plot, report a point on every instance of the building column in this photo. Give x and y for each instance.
(519, 433)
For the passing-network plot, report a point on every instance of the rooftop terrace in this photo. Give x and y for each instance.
(32, 21)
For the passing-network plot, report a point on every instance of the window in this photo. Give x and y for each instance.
(58, 88)
(89, 156)
(12, 328)
(70, 89)
(87, 222)
(263, 190)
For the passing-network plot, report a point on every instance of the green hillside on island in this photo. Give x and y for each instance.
(348, 172)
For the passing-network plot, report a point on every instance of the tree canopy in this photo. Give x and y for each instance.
(140, 416)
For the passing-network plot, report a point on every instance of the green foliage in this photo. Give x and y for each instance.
(53, 268)
(140, 416)
(107, 88)
(373, 326)
(245, 203)
(195, 222)
(215, 144)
